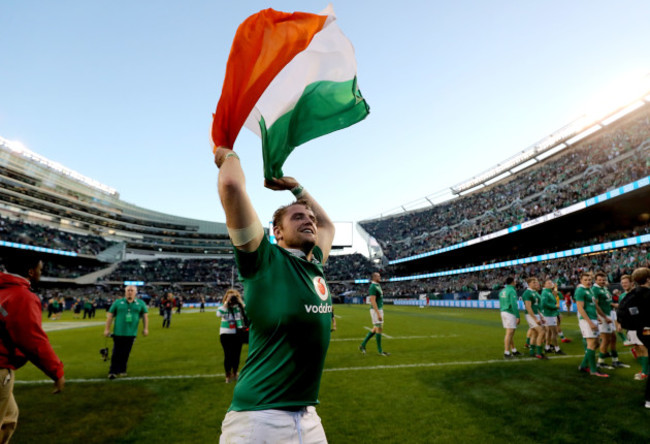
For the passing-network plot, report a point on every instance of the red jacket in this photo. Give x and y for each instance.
(21, 335)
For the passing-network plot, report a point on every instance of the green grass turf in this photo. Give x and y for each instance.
(445, 382)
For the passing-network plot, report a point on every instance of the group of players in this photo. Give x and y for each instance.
(596, 310)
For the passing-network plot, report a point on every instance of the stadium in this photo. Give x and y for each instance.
(574, 201)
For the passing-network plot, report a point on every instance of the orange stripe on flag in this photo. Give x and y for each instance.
(264, 44)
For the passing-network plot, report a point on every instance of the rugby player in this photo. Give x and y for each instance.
(376, 314)
(551, 313)
(535, 321)
(588, 321)
(509, 317)
(606, 327)
(289, 307)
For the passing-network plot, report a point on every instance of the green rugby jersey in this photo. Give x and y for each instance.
(603, 297)
(585, 295)
(376, 291)
(533, 297)
(289, 308)
(508, 300)
(549, 303)
(127, 316)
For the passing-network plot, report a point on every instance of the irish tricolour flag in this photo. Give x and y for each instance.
(290, 77)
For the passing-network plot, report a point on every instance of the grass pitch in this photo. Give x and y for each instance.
(445, 381)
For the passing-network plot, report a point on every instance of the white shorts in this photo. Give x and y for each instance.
(508, 320)
(633, 338)
(375, 321)
(533, 322)
(586, 331)
(551, 321)
(272, 426)
(605, 328)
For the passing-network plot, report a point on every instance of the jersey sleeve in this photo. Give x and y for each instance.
(579, 295)
(249, 263)
(113, 308)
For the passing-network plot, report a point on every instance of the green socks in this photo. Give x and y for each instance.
(591, 358)
(379, 343)
(365, 341)
(644, 361)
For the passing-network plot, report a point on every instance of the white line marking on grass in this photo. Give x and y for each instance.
(70, 325)
(397, 337)
(443, 364)
(341, 369)
(338, 317)
(383, 334)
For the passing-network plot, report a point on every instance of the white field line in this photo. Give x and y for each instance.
(383, 334)
(55, 325)
(396, 337)
(327, 370)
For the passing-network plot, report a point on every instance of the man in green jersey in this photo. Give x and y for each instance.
(587, 319)
(376, 314)
(606, 327)
(289, 308)
(127, 313)
(535, 321)
(551, 312)
(638, 349)
(509, 317)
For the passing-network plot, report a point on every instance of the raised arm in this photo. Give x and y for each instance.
(244, 226)
(325, 225)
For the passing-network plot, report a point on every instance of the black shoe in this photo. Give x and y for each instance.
(362, 349)
(508, 355)
(619, 364)
(603, 366)
(384, 354)
(559, 352)
(517, 353)
(112, 376)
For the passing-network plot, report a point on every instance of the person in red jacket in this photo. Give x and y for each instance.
(22, 337)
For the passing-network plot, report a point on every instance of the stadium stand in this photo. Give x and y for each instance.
(616, 156)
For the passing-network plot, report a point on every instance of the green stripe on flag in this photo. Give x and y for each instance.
(323, 108)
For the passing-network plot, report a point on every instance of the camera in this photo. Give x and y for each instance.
(104, 352)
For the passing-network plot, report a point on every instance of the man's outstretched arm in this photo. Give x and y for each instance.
(244, 226)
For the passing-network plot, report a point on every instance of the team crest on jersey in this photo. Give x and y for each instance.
(321, 288)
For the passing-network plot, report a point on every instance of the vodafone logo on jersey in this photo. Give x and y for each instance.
(321, 288)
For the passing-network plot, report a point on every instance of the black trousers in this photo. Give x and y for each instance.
(167, 317)
(646, 341)
(231, 350)
(121, 350)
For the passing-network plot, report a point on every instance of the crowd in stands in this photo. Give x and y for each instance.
(565, 272)
(216, 271)
(13, 230)
(610, 158)
(348, 267)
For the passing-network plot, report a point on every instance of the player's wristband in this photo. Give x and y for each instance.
(298, 191)
(231, 155)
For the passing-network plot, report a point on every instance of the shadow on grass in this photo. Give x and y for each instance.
(547, 402)
(87, 413)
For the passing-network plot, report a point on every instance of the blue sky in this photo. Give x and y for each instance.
(124, 91)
